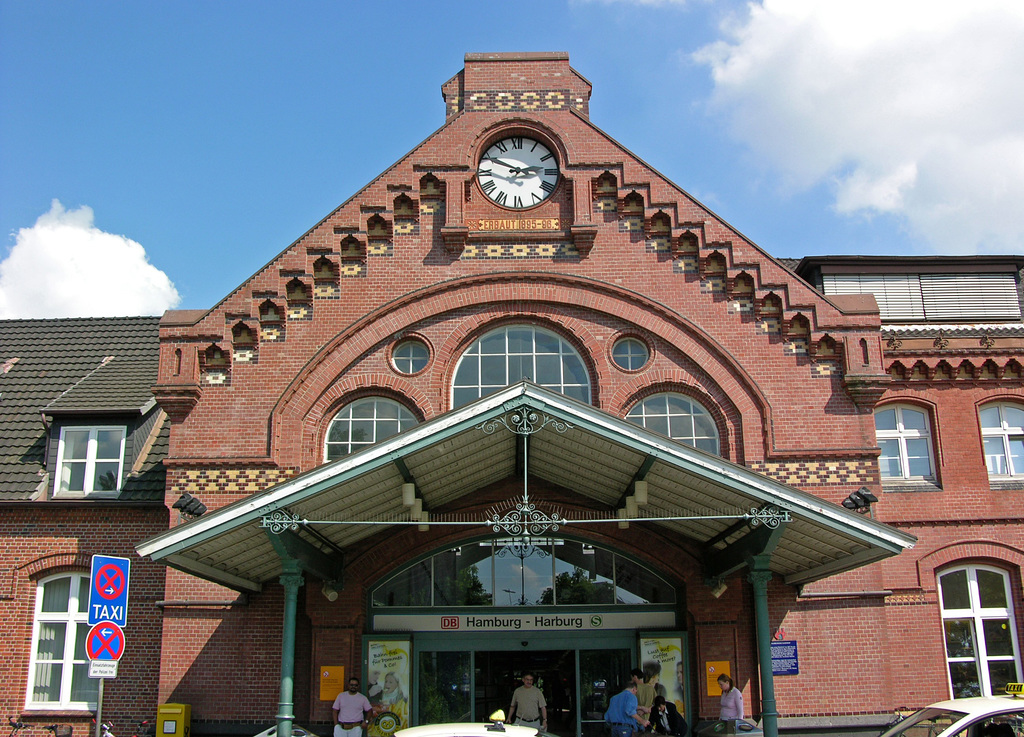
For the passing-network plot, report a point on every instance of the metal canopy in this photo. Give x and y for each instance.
(596, 456)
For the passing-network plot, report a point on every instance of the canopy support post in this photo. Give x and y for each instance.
(759, 576)
(291, 579)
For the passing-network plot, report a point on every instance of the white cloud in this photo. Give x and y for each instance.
(913, 107)
(63, 266)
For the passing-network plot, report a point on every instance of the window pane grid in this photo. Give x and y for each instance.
(363, 423)
(679, 418)
(511, 354)
(630, 354)
(59, 667)
(543, 572)
(904, 437)
(979, 629)
(1003, 437)
(410, 356)
(90, 459)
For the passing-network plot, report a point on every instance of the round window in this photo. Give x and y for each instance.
(630, 354)
(410, 356)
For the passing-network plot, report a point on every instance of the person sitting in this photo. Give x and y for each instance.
(997, 730)
(666, 719)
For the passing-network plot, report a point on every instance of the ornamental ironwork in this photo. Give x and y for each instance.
(524, 421)
(279, 520)
(770, 516)
(525, 519)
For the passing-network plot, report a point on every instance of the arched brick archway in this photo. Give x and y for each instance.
(573, 304)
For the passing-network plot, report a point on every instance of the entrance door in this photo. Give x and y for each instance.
(467, 678)
(603, 673)
(499, 673)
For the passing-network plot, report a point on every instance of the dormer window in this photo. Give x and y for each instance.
(89, 460)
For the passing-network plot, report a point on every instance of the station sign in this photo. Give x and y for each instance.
(108, 590)
(576, 622)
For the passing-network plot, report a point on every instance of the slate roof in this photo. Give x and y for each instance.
(85, 366)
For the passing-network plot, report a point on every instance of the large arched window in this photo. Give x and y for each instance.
(904, 435)
(523, 572)
(980, 629)
(678, 417)
(364, 422)
(60, 666)
(1002, 429)
(516, 352)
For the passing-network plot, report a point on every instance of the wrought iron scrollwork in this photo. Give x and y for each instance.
(770, 516)
(279, 520)
(525, 519)
(524, 421)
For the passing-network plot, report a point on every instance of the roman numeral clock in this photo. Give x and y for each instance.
(518, 172)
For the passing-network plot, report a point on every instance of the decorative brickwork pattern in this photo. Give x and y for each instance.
(530, 101)
(247, 480)
(820, 473)
(520, 251)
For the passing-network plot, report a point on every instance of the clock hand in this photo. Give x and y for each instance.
(496, 174)
(511, 167)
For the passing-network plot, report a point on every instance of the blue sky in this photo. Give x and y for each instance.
(186, 132)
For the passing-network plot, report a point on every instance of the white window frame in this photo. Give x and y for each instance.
(977, 615)
(650, 406)
(405, 418)
(630, 354)
(902, 434)
(1005, 433)
(406, 357)
(90, 461)
(76, 620)
(564, 383)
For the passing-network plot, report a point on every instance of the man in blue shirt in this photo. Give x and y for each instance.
(622, 717)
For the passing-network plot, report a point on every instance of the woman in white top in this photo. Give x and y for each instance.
(732, 699)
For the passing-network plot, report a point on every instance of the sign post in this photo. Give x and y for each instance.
(108, 613)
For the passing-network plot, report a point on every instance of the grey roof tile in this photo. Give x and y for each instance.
(74, 365)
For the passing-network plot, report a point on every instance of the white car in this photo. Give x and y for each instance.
(297, 731)
(494, 728)
(979, 716)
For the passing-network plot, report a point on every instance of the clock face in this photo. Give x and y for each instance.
(518, 172)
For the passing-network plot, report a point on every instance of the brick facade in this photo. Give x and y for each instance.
(789, 376)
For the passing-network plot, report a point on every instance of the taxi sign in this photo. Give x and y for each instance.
(105, 641)
(108, 590)
(1015, 688)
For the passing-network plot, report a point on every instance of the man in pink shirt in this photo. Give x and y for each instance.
(351, 711)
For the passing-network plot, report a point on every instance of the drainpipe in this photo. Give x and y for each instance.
(292, 580)
(759, 576)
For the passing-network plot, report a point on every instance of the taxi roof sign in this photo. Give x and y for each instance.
(1015, 688)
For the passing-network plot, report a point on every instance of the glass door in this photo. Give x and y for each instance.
(444, 687)
(499, 673)
(603, 673)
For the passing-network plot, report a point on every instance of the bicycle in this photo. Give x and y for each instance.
(106, 729)
(15, 726)
(145, 728)
(59, 730)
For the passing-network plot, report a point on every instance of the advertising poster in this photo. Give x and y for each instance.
(661, 660)
(388, 665)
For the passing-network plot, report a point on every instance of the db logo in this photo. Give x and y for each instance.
(449, 623)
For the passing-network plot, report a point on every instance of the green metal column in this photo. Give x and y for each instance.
(292, 580)
(759, 577)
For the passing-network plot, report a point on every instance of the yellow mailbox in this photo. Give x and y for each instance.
(174, 720)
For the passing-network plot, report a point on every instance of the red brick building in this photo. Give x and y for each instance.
(523, 404)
